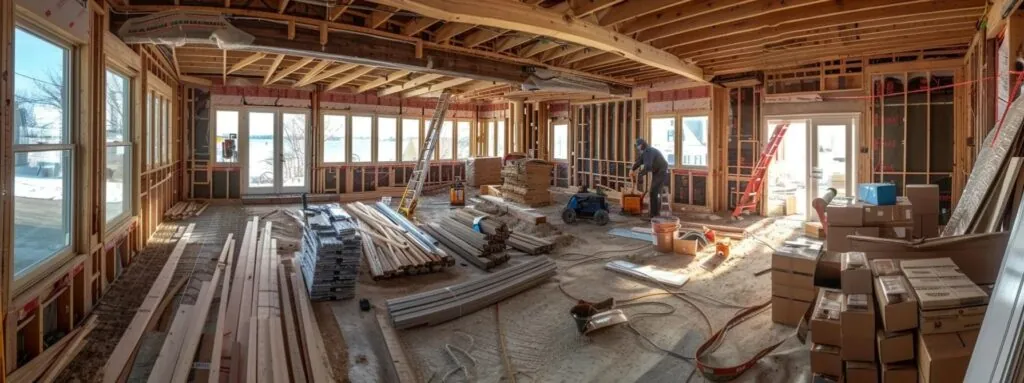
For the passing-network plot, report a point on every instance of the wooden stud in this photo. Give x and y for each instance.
(249, 60)
(289, 70)
(308, 77)
(291, 30)
(383, 80)
(348, 78)
(272, 69)
(327, 74)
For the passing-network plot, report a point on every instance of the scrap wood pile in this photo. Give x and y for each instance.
(393, 246)
(441, 305)
(263, 329)
(185, 209)
(331, 249)
(483, 171)
(46, 366)
(530, 244)
(492, 227)
(526, 181)
(472, 246)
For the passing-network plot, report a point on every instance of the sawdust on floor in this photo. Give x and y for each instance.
(337, 351)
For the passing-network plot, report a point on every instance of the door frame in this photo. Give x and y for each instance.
(243, 144)
(852, 120)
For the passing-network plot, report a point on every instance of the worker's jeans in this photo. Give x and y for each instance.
(658, 181)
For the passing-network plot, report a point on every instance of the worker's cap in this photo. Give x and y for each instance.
(641, 142)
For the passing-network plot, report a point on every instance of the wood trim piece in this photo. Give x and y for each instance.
(319, 367)
(197, 322)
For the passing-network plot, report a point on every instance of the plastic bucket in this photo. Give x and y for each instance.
(664, 230)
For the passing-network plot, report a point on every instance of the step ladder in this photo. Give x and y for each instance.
(407, 206)
(666, 204)
(752, 193)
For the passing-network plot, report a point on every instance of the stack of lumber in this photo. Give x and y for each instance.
(329, 260)
(47, 365)
(530, 244)
(185, 209)
(394, 247)
(263, 329)
(501, 207)
(472, 246)
(483, 223)
(526, 181)
(441, 305)
(483, 171)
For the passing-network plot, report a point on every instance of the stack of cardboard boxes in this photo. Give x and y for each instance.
(793, 290)
(870, 217)
(896, 321)
(925, 199)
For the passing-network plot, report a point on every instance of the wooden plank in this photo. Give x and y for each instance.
(383, 80)
(125, 349)
(218, 338)
(319, 367)
(403, 368)
(249, 60)
(349, 78)
(163, 368)
(70, 352)
(298, 368)
(234, 300)
(281, 373)
(529, 215)
(39, 365)
(289, 70)
(272, 69)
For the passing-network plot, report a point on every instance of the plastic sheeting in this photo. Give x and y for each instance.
(179, 28)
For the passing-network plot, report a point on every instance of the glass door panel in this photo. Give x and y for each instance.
(831, 158)
(261, 151)
(293, 152)
(786, 179)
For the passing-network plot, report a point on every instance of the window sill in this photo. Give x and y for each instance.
(33, 279)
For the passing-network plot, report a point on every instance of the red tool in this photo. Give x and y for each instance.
(752, 193)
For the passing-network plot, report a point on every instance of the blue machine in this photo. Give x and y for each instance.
(586, 205)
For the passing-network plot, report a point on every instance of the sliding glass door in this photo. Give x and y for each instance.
(276, 151)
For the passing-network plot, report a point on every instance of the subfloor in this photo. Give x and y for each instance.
(540, 337)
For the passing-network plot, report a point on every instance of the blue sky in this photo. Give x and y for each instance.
(34, 57)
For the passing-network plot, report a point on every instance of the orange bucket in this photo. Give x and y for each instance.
(664, 228)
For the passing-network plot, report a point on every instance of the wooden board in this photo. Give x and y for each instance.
(168, 357)
(125, 348)
(295, 356)
(229, 332)
(403, 369)
(528, 215)
(197, 322)
(319, 367)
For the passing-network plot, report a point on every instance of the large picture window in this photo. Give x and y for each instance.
(560, 141)
(118, 137)
(663, 137)
(464, 130)
(445, 142)
(362, 139)
(334, 138)
(387, 139)
(410, 139)
(43, 149)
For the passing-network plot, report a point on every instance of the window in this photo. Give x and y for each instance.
(695, 141)
(43, 149)
(166, 138)
(362, 139)
(119, 159)
(561, 142)
(491, 139)
(149, 130)
(501, 149)
(387, 139)
(444, 142)
(155, 129)
(663, 137)
(465, 128)
(410, 139)
(226, 139)
(334, 138)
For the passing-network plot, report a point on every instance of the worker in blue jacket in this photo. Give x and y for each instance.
(651, 160)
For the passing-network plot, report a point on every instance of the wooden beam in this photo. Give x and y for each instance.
(518, 16)
(420, 80)
(418, 25)
(349, 77)
(328, 74)
(289, 70)
(308, 77)
(994, 17)
(581, 55)
(125, 348)
(513, 41)
(561, 51)
(224, 66)
(272, 69)
(451, 29)
(249, 60)
(378, 17)
(436, 87)
(319, 370)
(298, 368)
(632, 9)
(383, 80)
(539, 47)
(174, 60)
(337, 11)
(583, 8)
(753, 11)
(480, 36)
(283, 6)
(190, 343)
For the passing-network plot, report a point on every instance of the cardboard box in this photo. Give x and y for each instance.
(877, 193)
(825, 320)
(788, 311)
(979, 256)
(827, 273)
(943, 358)
(885, 267)
(796, 293)
(926, 225)
(814, 230)
(896, 303)
(845, 213)
(792, 279)
(825, 360)
(836, 239)
(895, 347)
(856, 274)
(952, 320)
(924, 197)
(858, 327)
(903, 372)
(799, 259)
(896, 232)
(939, 284)
(684, 246)
(859, 372)
(904, 211)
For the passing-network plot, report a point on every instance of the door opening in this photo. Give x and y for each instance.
(276, 151)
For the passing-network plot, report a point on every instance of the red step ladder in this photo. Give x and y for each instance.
(752, 193)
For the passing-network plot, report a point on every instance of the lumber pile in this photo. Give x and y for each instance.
(501, 207)
(185, 209)
(47, 365)
(329, 260)
(526, 181)
(393, 245)
(530, 244)
(441, 305)
(472, 246)
(483, 171)
(498, 230)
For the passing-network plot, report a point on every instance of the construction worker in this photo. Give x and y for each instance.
(651, 160)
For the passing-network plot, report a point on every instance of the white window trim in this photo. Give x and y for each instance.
(323, 138)
(401, 137)
(128, 187)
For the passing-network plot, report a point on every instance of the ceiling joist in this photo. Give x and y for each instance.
(289, 70)
(348, 78)
(411, 84)
(436, 87)
(273, 68)
(583, 8)
(383, 80)
(249, 60)
(326, 74)
(309, 76)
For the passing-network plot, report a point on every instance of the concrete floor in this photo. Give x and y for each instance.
(540, 337)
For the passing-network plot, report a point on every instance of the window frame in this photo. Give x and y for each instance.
(551, 139)
(401, 137)
(678, 144)
(350, 127)
(376, 138)
(128, 143)
(347, 158)
(437, 148)
(238, 138)
(455, 138)
(71, 119)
